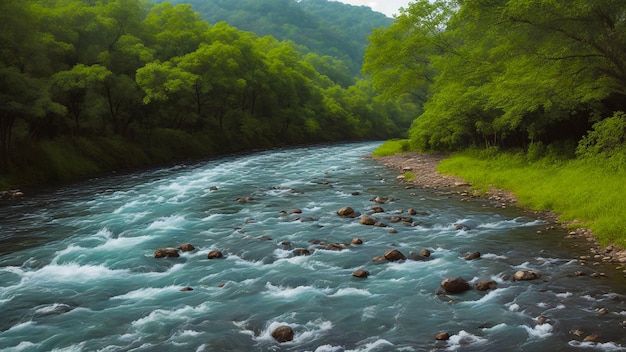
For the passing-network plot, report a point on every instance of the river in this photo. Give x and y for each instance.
(78, 272)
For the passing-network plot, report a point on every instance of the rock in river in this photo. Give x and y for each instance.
(283, 333)
(472, 256)
(485, 285)
(360, 273)
(455, 285)
(187, 247)
(215, 254)
(166, 252)
(393, 255)
(347, 212)
(521, 275)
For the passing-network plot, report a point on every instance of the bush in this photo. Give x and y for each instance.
(607, 137)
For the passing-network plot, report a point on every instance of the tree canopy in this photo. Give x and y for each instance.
(330, 29)
(504, 73)
(88, 80)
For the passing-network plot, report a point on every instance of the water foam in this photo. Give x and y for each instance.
(173, 222)
(295, 292)
(72, 272)
(607, 346)
(148, 293)
(464, 339)
(540, 331)
(351, 291)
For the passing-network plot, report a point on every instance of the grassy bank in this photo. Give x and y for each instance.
(584, 192)
(392, 147)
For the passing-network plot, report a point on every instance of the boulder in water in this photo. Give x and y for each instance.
(417, 257)
(455, 285)
(485, 285)
(187, 247)
(360, 273)
(166, 252)
(442, 336)
(465, 225)
(334, 247)
(301, 251)
(523, 275)
(357, 240)
(347, 212)
(366, 220)
(215, 255)
(472, 256)
(283, 333)
(377, 209)
(393, 255)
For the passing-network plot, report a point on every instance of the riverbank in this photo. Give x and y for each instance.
(420, 170)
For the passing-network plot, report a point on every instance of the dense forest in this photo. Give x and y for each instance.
(530, 74)
(89, 86)
(333, 30)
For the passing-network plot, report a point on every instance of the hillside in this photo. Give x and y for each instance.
(324, 27)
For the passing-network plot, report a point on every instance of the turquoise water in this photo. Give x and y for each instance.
(78, 273)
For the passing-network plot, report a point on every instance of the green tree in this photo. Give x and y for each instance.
(399, 57)
(173, 30)
(73, 87)
(21, 97)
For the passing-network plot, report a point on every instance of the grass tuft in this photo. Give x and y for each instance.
(391, 147)
(409, 176)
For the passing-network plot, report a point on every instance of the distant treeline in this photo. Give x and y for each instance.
(88, 86)
(535, 75)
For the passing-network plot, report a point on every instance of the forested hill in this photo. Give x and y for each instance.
(325, 27)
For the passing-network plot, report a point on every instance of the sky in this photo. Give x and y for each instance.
(388, 7)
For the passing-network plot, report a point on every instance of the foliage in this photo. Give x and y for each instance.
(506, 72)
(330, 29)
(607, 137)
(409, 176)
(536, 87)
(121, 83)
(581, 192)
(391, 147)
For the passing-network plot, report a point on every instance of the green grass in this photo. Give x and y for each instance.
(410, 176)
(587, 192)
(391, 147)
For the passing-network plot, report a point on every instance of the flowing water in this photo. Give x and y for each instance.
(78, 272)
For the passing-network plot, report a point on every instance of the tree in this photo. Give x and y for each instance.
(399, 58)
(73, 86)
(21, 96)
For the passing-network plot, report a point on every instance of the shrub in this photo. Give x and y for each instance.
(607, 137)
